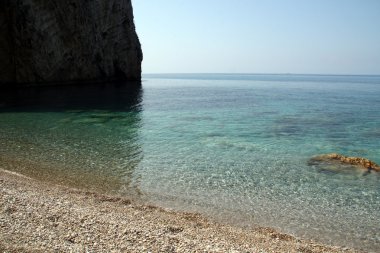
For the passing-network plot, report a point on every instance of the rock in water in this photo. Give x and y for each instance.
(44, 41)
(358, 162)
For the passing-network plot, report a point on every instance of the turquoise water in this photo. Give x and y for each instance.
(234, 147)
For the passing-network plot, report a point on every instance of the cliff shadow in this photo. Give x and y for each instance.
(84, 136)
(117, 96)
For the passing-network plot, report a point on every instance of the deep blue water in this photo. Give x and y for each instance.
(234, 147)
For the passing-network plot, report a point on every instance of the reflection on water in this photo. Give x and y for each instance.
(104, 96)
(83, 136)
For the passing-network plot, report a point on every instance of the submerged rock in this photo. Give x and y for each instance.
(45, 41)
(354, 162)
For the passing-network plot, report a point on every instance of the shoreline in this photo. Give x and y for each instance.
(38, 216)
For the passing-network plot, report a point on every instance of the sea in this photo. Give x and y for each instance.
(233, 147)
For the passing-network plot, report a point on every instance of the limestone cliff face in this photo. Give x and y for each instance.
(73, 40)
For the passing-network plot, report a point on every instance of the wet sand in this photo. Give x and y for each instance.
(36, 216)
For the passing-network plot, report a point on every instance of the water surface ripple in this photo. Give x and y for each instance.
(234, 147)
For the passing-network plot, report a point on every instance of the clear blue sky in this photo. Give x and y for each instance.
(259, 36)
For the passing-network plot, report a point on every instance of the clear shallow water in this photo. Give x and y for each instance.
(234, 147)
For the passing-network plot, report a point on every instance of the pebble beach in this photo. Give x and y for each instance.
(38, 216)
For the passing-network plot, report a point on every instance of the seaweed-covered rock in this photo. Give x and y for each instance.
(44, 41)
(356, 162)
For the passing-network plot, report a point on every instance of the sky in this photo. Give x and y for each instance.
(259, 36)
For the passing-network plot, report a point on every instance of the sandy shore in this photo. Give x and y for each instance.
(40, 217)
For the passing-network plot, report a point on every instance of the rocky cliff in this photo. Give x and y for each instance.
(44, 41)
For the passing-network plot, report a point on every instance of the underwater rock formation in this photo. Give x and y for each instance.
(44, 41)
(358, 162)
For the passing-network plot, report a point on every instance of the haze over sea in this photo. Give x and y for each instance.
(232, 146)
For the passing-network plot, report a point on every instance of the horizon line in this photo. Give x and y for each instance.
(252, 73)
